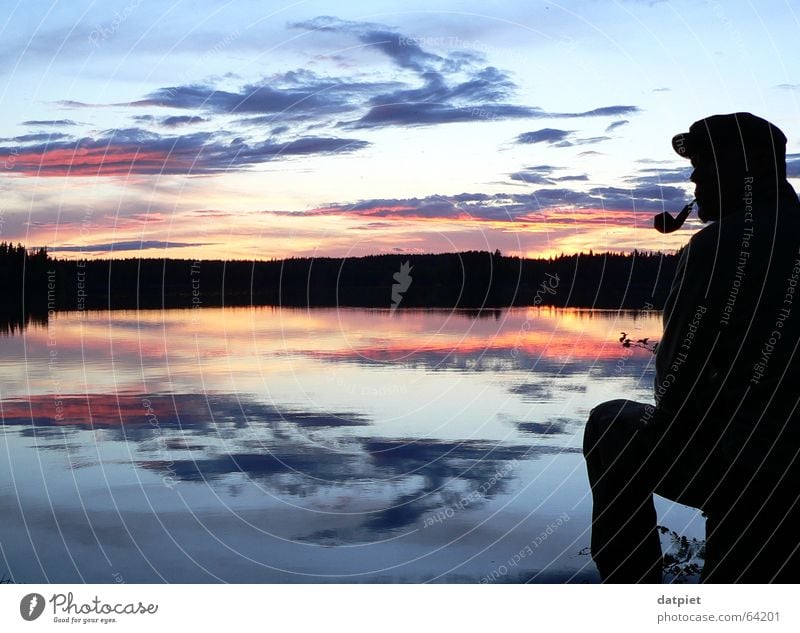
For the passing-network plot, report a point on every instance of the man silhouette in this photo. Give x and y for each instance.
(723, 435)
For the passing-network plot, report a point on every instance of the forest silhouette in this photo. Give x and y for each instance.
(34, 284)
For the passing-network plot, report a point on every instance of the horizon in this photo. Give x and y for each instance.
(122, 257)
(237, 133)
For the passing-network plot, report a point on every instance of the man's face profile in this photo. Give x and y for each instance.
(707, 187)
(717, 179)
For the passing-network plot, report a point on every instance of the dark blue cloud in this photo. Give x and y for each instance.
(454, 87)
(545, 175)
(511, 207)
(137, 151)
(571, 177)
(71, 103)
(403, 51)
(36, 138)
(644, 197)
(535, 175)
(793, 165)
(438, 102)
(588, 140)
(49, 123)
(291, 95)
(133, 245)
(652, 176)
(556, 137)
(177, 121)
(431, 89)
(617, 124)
(251, 98)
(488, 86)
(417, 471)
(423, 113)
(545, 135)
(554, 427)
(616, 110)
(531, 178)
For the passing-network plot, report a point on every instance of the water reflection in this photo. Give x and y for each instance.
(15, 322)
(288, 445)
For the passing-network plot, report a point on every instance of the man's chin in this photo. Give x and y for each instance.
(708, 212)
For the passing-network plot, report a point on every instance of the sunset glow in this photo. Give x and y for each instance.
(253, 133)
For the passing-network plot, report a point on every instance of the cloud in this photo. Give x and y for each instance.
(135, 151)
(616, 110)
(419, 468)
(133, 245)
(409, 474)
(508, 207)
(293, 94)
(641, 198)
(454, 87)
(251, 98)
(590, 140)
(571, 177)
(177, 121)
(544, 175)
(616, 124)
(430, 89)
(436, 103)
(557, 138)
(35, 138)
(793, 165)
(421, 114)
(554, 427)
(425, 89)
(70, 103)
(531, 178)
(403, 51)
(652, 176)
(49, 123)
(125, 417)
(545, 135)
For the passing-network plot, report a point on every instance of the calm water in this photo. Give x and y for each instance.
(283, 445)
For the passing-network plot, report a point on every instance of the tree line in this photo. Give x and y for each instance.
(33, 282)
(23, 275)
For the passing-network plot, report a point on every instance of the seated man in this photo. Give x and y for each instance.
(723, 435)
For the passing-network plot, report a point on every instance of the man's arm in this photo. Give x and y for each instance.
(685, 370)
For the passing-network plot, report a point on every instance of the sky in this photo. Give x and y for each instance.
(259, 129)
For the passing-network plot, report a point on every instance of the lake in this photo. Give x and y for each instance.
(326, 445)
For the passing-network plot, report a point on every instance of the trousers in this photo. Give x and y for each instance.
(752, 523)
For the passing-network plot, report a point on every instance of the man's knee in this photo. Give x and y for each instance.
(602, 421)
(607, 412)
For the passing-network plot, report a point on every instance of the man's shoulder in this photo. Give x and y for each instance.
(703, 247)
(747, 230)
(707, 236)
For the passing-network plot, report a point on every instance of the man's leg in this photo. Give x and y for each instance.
(756, 537)
(625, 543)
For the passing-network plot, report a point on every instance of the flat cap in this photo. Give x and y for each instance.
(740, 134)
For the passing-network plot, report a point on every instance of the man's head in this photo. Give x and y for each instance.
(728, 153)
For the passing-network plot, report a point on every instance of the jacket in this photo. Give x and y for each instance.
(728, 364)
